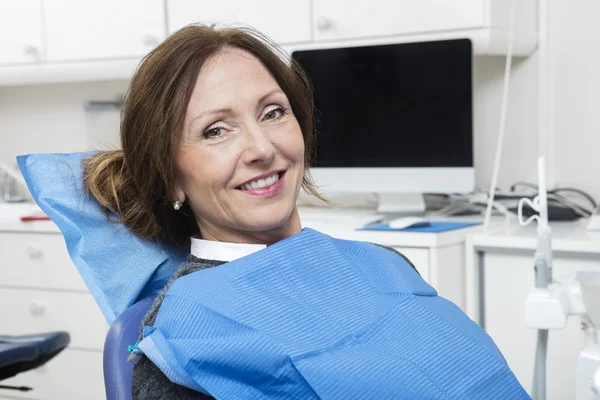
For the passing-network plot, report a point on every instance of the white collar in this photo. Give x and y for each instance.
(222, 251)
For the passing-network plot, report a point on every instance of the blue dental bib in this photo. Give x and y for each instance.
(313, 317)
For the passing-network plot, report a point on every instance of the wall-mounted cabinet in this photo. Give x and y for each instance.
(87, 30)
(334, 20)
(64, 40)
(284, 21)
(485, 22)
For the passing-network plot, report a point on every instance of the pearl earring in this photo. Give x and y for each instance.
(177, 205)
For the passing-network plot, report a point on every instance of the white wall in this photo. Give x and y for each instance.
(576, 47)
(519, 155)
(51, 117)
(574, 93)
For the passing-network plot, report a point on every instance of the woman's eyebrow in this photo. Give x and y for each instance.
(213, 111)
(227, 110)
(268, 94)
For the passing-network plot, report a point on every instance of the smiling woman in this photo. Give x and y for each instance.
(216, 133)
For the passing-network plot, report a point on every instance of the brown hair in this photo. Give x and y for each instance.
(136, 182)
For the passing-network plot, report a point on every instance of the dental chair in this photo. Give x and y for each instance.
(123, 332)
(23, 353)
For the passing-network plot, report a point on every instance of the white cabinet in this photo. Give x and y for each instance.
(33, 311)
(284, 21)
(485, 22)
(83, 30)
(500, 268)
(71, 41)
(40, 291)
(41, 260)
(336, 19)
(508, 280)
(20, 31)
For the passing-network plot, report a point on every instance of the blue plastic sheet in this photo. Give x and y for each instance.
(117, 267)
(312, 317)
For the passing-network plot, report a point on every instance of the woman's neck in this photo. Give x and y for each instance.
(291, 227)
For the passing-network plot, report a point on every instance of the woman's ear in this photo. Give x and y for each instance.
(178, 193)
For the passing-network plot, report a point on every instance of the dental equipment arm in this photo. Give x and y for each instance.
(549, 304)
(543, 310)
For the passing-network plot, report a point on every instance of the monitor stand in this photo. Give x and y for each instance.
(401, 204)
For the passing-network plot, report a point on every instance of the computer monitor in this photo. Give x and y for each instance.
(393, 119)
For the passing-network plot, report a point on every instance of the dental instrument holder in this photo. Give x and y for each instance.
(548, 305)
(588, 364)
(11, 185)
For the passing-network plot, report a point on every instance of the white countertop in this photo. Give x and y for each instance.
(342, 224)
(566, 236)
(10, 214)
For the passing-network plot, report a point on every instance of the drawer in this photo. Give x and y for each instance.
(24, 311)
(72, 374)
(37, 260)
(419, 258)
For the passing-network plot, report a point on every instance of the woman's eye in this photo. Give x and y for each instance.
(213, 132)
(275, 113)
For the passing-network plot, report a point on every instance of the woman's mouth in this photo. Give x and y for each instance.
(261, 183)
(264, 187)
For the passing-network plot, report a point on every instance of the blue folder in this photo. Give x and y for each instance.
(432, 227)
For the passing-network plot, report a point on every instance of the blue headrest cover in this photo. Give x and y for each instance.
(118, 267)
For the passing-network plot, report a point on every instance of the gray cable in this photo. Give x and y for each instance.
(543, 276)
(539, 374)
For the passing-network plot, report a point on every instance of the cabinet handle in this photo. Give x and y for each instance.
(37, 307)
(32, 51)
(150, 40)
(323, 23)
(34, 251)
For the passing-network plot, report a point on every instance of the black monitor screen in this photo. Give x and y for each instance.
(400, 105)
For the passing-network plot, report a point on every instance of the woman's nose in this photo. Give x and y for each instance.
(259, 148)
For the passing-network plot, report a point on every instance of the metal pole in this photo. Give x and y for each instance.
(481, 273)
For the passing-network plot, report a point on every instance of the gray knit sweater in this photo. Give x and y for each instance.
(148, 382)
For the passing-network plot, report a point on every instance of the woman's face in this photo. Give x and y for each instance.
(241, 159)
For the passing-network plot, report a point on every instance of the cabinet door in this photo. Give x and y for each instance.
(284, 21)
(38, 260)
(32, 311)
(20, 31)
(338, 19)
(508, 280)
(101, 29)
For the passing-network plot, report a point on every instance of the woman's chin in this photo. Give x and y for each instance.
(271, 220)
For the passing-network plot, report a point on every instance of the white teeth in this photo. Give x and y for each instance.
(261, 183)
